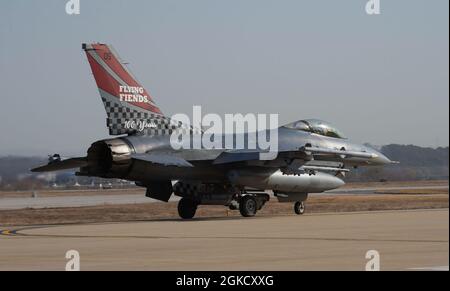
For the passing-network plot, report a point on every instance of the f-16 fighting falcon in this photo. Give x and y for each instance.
(312, 155)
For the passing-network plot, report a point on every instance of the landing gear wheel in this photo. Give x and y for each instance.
(248, 206)
(299, 207)
(187, 208)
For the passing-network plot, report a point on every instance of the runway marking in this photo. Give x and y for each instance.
(18, 232)
(437, 268)
(8, 232)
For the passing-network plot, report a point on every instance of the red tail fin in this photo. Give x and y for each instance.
(124, 98)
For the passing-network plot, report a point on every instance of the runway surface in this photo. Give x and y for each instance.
(372, 190)
(71, 201)
(406, 240)
(95, 200)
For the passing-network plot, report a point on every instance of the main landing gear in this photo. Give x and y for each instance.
(299, 207)
(248, 206)
(187, 208)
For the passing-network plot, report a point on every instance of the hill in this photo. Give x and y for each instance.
(416, 163)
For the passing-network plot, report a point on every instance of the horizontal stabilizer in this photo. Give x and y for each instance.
(162, 159)
(59, 165)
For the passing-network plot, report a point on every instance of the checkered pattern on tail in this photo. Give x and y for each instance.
(130, 108)
(121, 119)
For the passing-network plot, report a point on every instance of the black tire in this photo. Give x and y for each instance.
(248, 206)
(299, 207)
(187, 208)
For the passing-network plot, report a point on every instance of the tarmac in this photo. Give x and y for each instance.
(404, 240)
(95, 200)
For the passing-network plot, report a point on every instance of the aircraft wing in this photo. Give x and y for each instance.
(162, 159)
(236, 156)
(302, 153)
(290, 162)
(58, 165)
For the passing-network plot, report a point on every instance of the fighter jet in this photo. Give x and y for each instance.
(312, 156)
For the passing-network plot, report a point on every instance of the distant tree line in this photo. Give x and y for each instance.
(416, 163)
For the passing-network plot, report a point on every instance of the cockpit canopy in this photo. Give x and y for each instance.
(316, 126)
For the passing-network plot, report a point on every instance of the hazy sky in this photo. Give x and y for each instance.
(380, 79)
